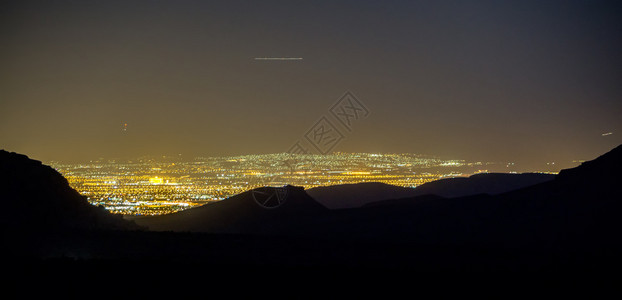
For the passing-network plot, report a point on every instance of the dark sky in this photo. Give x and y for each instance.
(526, 81)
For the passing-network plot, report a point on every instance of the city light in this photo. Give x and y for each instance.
(156, 180)
(153, 186)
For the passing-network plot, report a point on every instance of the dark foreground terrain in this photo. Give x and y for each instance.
(561, 235)
(147, 263)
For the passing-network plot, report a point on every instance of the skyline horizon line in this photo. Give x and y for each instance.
(195, 156)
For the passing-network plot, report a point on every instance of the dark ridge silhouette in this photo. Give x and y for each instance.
(242, 213)
(579, 209)
(602, 172)
(399, 202)
(357, 195)
(37, 199)
(560, 232)
(485, 183)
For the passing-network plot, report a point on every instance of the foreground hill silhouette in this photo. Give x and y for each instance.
(36, 198)
(243, 213)
(579, 209)
(359, 194)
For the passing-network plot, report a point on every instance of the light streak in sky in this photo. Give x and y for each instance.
(606, 134)
(278, 58)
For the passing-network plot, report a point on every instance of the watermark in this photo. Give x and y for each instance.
(269, 198)
(324, 135)
(321, 138)
(349, 109)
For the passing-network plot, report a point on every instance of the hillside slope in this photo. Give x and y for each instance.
(357, 195)
(36, 198)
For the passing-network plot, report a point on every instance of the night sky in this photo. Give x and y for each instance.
(524, 81)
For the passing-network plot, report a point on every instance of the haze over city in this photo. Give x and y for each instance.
(524, 81)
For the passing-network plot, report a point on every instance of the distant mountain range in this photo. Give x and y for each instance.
(357, 195)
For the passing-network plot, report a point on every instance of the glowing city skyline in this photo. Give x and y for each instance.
(160, 185)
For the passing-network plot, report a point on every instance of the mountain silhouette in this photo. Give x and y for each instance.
(359, 194)
(36, 198)
(262, 210)
(580, 208)
(484, 183)
(602, 173)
